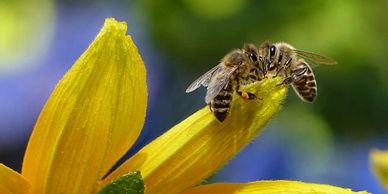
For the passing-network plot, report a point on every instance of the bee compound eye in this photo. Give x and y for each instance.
(272, 51)
(253, 57)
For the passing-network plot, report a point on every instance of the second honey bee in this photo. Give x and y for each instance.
(238, 67)
(283, 59)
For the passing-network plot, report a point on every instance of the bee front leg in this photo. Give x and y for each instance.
(281, 69)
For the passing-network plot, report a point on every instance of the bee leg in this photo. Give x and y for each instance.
(295, 75)
(246, 95)
(281, 69)
(288, 62)
(288, 80)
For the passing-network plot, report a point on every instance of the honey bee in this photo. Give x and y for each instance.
(238, 67)
(282, 58)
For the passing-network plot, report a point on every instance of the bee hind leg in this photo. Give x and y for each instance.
(247, 95)
(210, 107)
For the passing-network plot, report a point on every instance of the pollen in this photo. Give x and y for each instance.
(245, 95)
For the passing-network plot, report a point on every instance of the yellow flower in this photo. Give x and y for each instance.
(379, 163)
(96, 112)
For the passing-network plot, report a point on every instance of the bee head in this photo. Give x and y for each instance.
(251, 52)
(234, 58)
(267, 55)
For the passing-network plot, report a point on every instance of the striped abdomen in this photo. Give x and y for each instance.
(220, 105)
(306, 86)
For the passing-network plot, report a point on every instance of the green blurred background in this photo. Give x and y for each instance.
(326, 142)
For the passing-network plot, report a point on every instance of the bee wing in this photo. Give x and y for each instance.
(315, 58)
(219, 81)
(203, 80)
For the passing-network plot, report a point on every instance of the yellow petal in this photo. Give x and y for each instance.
(12, 182)
(91, 119)
(379, 163)
(199, 145)
(270, 187)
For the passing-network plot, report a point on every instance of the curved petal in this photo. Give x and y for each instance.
(379, 163)
(199, 145)
(91, 119)
(270, 187)
(12, 182)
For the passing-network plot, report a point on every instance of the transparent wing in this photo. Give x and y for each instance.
(203, 80)
(315, 58)
(219, 81)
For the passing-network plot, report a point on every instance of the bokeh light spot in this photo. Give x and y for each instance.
(25, 32)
